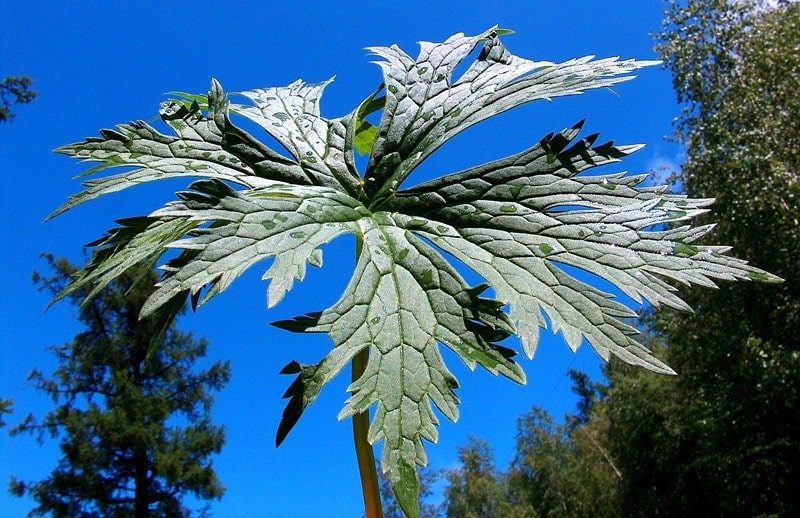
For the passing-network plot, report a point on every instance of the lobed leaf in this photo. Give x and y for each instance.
(136, 241)
(402, 300)
(426, 105)
(534, 225)
(505, 220)
(291, 115)
(286, 222)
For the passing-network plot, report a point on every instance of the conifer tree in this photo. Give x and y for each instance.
(14, 90)
(133, 420)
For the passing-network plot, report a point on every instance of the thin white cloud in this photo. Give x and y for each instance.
(663, 169)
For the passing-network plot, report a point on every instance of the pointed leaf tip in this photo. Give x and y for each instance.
(291, 368)
(406, 490)
(503, 32)
(300, 323)
(289, 418)
(766, 277)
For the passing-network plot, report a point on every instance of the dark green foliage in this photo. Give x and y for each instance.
(136, 435)
(564, 470)
(588, 392)
(14, 90)
(476, 490)
(558, 469)
(728, 426)
(722, 437)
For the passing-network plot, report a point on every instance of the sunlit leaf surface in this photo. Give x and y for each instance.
(524, 223)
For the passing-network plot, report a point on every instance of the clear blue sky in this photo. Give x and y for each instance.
(97, 64)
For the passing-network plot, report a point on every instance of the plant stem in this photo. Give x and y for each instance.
(366, 459)
(364, 454)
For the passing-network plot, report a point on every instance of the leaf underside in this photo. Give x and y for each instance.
(525, 224)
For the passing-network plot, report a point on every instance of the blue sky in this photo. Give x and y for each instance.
(97, 64)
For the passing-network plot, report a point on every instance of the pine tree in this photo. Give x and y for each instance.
(14, 90)
(135, 429)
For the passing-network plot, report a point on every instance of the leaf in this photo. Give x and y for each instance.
(365, 137)
(291, 115)
(426, 106)
(199, 151)
(505, 220)
(282, 221)
(365, 133)
(402, 300)
(534, 225)
(137, 241)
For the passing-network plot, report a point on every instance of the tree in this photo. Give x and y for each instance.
(727, 426)
(512, 221)
(14, 90)
(477, 489)
(134, 423)
(557, 470)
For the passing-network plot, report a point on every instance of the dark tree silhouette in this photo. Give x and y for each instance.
(134, 424)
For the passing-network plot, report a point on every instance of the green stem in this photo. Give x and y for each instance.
(364, 454)
(366, 460)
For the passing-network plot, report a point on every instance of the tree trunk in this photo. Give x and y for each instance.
(141, 506)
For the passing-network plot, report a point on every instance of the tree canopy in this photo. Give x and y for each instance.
(132, 416)
(643, 444)
(728, 425)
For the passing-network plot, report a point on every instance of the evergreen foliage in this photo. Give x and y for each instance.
(14, 90)
(135, 430)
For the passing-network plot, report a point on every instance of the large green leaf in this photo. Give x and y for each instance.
(516, 220)
(533, 225)
(402, 300)
(426, 105)
(282, 221)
